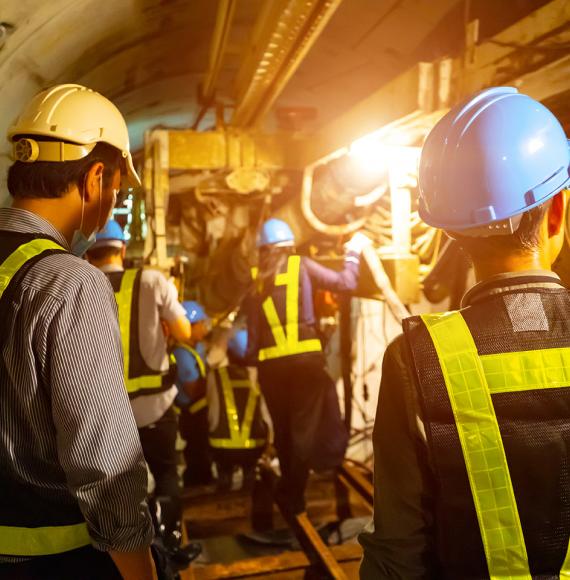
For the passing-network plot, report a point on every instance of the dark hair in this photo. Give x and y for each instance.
(524, 240)
(103, 252)
(48, 179)
(271, 260)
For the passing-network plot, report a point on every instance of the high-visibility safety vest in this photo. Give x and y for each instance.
(201, 403)
(498, 431)
(282, 332)
(240, 425)
(140, 379)
(30, 524)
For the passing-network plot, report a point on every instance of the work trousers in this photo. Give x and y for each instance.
(228, 459)
(309, 432)
(194, 430)
(158, 442)
(85, 563)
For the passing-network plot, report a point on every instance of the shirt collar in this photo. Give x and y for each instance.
(510, 281)
(19, 220)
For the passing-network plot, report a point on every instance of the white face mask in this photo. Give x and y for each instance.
(80, 243)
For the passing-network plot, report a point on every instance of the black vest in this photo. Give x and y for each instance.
(23, 505)
(137, 365)
(307, 337)
(535, 430)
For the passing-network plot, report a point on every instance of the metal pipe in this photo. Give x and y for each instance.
(285, 32)
(224, 19)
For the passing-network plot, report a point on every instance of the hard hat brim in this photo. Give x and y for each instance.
(131, 179)
(108, 244)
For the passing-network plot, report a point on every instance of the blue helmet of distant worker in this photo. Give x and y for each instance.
(490, 160)
(111, 235)
(275, 232)
(194, 311)
(237, 345)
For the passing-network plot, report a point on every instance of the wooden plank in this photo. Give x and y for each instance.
(318, 549)
(287, 561)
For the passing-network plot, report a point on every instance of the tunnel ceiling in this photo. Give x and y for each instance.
(149, 56)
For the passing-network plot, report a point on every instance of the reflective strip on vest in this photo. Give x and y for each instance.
(239, 436)
(200, 403)
(482, 446)
(286, 338)
(124, 299)
(20, 256)
(41, 541)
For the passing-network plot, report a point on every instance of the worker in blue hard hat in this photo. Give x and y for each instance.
(238, 418)
(146, 301)
(191, 370)
(473, 423)
(283, 342)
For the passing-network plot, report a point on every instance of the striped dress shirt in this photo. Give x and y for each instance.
(66, 425)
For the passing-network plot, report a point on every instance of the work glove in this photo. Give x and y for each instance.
(357, 243)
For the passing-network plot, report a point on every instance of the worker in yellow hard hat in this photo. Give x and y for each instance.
(73, 477)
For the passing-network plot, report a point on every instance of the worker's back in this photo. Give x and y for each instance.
(521, 332)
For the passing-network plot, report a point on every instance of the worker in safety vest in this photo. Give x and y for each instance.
(73, 478)
(237, 416)
(283, 341)
(145, 301)
(191, 370)
(473, 426)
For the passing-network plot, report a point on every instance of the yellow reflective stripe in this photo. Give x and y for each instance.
(287, 338)
(482, 446)
(526, 370)
(124, 298)
(16, 541)
(228, 444)
(239, 436)
(565, 570)
(194, 353)
(198, 405)
(20, 256)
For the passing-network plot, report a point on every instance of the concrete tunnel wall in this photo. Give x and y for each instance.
(138, 53)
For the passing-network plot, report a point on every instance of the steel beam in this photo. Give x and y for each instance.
(224, 19)
(284, 33)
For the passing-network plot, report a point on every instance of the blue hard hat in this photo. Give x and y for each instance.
(492, 158)
(194, 311)
(237, 345)
(111, 235)
(275, 232)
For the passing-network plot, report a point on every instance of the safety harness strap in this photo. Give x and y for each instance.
(20, 256)
(482, 446)
(124, 299)
(201, 403)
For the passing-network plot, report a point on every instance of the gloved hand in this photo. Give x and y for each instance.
(357, 243)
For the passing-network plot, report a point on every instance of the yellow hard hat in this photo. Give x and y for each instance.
(76, 119)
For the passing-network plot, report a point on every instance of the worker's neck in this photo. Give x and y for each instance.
(116, 261)
(57, 211)
(489, 267)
